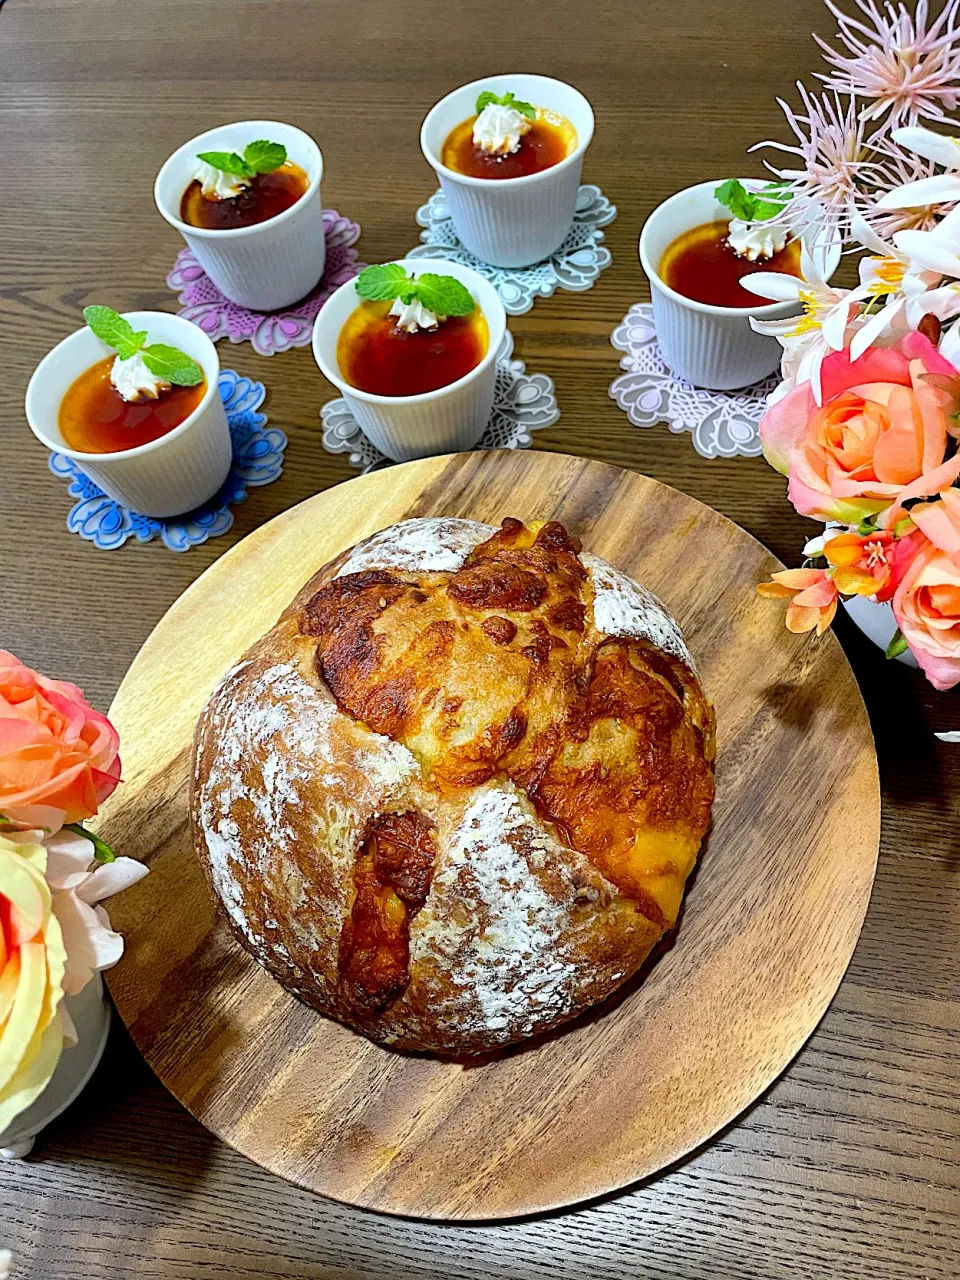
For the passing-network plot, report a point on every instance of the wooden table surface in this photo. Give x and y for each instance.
(850, 1165)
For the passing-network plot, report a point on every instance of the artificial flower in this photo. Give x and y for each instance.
(939, 520)
(898, 169)
(835, 164)
(899, 65)
(824, 325)
(58, 756)
(32, 964)
(79, 884)
(936, 190)
(812, 594)
(927, 609)
(879, 435)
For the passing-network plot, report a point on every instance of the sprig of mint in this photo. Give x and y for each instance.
(101, 850)
(443, 295)
(163, 361)
(752, 206)
(506, 100)
(258, 157)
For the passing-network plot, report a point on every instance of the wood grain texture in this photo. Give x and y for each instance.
(849, 1166)
(766, 931)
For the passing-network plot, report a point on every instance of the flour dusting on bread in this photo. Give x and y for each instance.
(425, 545)
(621, 607)
(499, 934)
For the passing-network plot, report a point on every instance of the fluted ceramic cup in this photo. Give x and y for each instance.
(270, 264)
(448, 420)
(168, 476)
(710, 346)
(511, 222)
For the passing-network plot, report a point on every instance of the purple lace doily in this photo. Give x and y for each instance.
(267, 331)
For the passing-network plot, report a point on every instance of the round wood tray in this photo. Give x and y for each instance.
(768, 927)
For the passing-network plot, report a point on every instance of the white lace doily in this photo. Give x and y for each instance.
(523, 402)
(575, 265)
(722, 424)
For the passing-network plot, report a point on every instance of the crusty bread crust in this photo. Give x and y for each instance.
(452, 797)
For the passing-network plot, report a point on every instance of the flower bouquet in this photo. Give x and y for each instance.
(58, 762)
(866, 422)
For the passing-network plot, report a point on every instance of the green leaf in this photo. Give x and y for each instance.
(751, 206)
(866, 527)
(172, 365)
(227, 162)
(896, 646)
(444, 295)
(264, 157)
(101, 850)
(382, 283)
(506, 100)
(111, 328)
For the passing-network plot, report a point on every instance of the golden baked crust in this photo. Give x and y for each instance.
(452, 798)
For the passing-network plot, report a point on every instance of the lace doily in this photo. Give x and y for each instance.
(273, 331)
(575, 265)
(523, 402)
(723, 424)
(257, 459)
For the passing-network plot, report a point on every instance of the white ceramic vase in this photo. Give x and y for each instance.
(90, 1011)
(877, 623)
(168, 476)
(511, 222)
(270, 264)
(448, 420)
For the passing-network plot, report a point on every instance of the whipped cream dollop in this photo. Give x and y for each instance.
(753, 240)
(498, 129)
(413, 316)
(217, 185)
(134, 381)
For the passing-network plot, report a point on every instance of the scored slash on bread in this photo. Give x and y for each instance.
(452, 798)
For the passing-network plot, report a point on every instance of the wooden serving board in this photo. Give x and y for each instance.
(770, 921)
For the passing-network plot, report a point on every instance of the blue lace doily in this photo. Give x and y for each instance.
(257, 459)
(575, 265)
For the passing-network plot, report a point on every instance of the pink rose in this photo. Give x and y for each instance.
(879, 435)
(927, 608)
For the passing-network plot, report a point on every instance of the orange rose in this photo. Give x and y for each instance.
(58, 757)
(927, 609)
(879, 437)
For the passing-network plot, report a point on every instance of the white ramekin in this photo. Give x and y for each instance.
(511, 222)
(271, 264)
(448, 420)
(168, 476)
(709, 346)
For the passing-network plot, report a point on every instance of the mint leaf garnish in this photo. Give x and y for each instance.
(258, 157)
(382, 283)
(444, 295)
(226, 162)
(751, 206)
(111, 328)
(264, 157)
(172, 365)
(896, 646)
(101, 850)
(505, 100)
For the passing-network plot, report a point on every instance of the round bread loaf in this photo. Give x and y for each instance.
(452, 798)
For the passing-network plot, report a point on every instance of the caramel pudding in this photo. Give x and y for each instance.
(95, 418)
(549, 139)
(701, 265)
(267, 195)
(378, 356)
